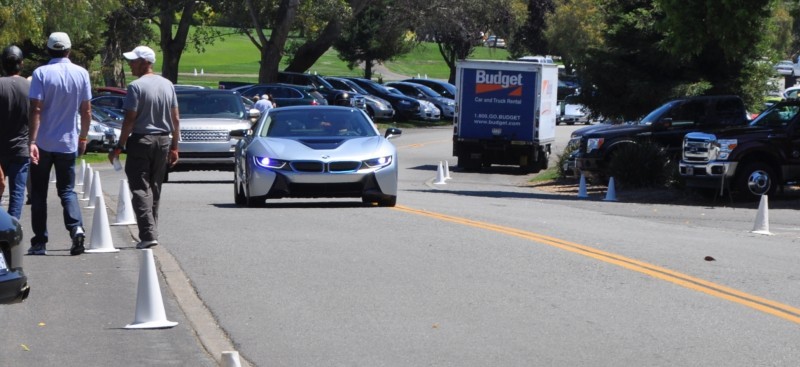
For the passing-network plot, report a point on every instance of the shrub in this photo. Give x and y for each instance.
(643, 164)
(562, 158)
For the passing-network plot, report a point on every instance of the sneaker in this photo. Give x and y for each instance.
(78, 237)
(146, 244)
(38, 249)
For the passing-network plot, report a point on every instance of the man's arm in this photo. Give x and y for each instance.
(127, 128)
(85, 111)
(176, 137)
(34, 116)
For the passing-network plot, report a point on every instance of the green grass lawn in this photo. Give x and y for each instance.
(238, 59)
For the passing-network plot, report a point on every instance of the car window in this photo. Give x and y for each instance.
(316, 123)
(213, 105)
(657, 114)
(687, 113)
(780, 115)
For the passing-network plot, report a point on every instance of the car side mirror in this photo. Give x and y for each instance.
(254, 113)
(392, 132)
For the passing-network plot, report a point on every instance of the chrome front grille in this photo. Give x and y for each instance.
(699, 147)
(205, 135)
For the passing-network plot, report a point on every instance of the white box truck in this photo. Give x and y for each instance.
(505, 114)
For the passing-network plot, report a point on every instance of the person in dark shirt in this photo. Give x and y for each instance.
(14, 151)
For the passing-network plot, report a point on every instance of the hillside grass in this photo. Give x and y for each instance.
(235, 58)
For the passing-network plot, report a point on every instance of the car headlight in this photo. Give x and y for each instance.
(726, 146)
(378, 162)
(267, 162)
(593, 144)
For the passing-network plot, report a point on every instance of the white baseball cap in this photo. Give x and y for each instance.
(59, 41)
(141, 52)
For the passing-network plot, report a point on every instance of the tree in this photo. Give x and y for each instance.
(319, 39)
(629, 73)
(28, 23)
(271, 48)
(126, 28)
(376, 35)
(573, 28)
(721, 38)
(529, 38)
(456, 26)
(186, 13)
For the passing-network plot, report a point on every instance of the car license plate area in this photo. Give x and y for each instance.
(3, 265)
(689, 170)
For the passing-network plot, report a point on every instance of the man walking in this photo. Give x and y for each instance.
(150, 134)
(60, 97)
(14, 151)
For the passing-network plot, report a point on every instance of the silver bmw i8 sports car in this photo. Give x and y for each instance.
(314, 152)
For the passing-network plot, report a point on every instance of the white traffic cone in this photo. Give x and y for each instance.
(230, 359)
(761, 225)
(79, 174)
(202, 72)
(125, 215)
(100, 240)
(447, 170)
(582, 187)
(440, 175)
(195, 71)
(611, 194)
(87, 182)
(150, 313)
(97, 190)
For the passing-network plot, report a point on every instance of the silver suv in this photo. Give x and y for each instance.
(207, 116)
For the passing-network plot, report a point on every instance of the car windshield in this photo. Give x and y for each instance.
(316, 122)
(210, 105)
(657, 114)
(779, 115)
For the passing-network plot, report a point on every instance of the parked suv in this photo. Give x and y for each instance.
(752, 160)
(666, 126)
(207, 118)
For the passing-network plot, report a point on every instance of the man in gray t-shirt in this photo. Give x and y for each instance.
(150, 134)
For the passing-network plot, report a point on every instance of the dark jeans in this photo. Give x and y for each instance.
(64, 164)
(145, 167)
(16, 169)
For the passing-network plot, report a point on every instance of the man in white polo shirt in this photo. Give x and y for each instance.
(59, 106)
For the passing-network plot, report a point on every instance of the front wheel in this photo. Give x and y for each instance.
(755, 179)
(238, 191)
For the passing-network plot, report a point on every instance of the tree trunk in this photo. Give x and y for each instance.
(172, 48)
(272, 51)
(312, 50)
(368, 69)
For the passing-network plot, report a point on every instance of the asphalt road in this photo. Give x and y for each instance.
(484, 271)
(481, 271)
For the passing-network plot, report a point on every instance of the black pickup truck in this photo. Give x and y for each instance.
(753, 160)
(666, 126)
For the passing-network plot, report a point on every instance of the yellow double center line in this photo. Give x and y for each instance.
(764, 305)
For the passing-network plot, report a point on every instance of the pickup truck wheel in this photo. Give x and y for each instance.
(755, 179)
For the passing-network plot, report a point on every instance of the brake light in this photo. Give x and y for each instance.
(314, 103)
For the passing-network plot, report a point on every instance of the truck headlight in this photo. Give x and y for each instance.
(726, 146)
(593, 144)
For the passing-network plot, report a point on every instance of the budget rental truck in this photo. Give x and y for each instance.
(505, 114)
